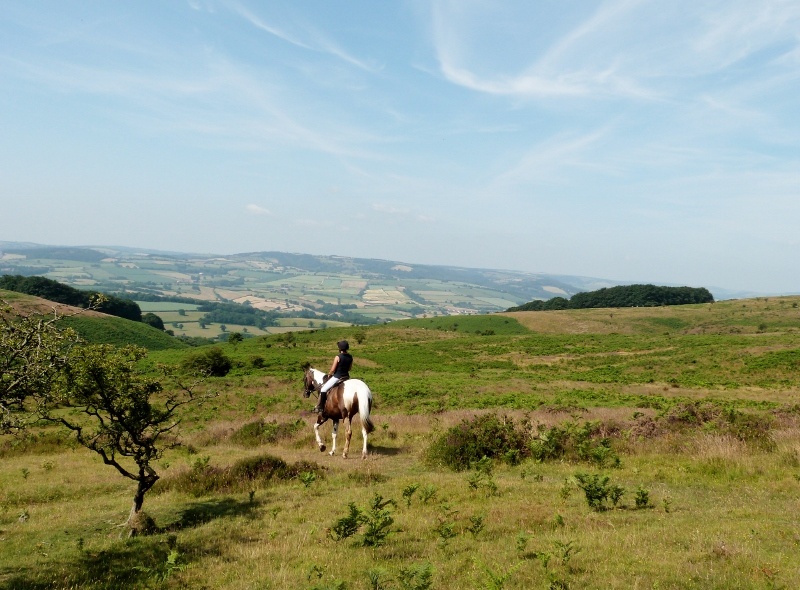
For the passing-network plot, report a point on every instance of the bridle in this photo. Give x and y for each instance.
(308, 384)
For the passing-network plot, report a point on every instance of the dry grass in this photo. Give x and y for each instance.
(722, 514)
(721, 317)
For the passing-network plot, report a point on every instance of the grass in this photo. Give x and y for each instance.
(720, 515)
(699, 405)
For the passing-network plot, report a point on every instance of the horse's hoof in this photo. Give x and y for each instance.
(331, 453)
(322, 448)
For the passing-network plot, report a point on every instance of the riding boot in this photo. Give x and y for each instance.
(321, 402)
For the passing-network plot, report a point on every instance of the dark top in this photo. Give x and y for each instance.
(343, 367)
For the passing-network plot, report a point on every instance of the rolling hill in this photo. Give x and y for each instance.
(95, 327)
(293, 284)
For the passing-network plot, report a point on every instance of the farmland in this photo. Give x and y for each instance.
(293, 285)
(661, 449)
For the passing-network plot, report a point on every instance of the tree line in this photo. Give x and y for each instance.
(623, 296)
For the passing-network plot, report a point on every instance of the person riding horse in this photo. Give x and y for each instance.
(340, 371)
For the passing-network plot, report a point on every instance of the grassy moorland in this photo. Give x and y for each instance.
(637, 448)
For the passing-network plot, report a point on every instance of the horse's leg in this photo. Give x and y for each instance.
(333, 437)
(348, 434)
(320, 444)
(364, 435)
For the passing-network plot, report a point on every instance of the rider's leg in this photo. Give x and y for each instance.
(323, 393)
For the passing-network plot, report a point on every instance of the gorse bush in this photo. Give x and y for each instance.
(754, 429)
(751, 428)
(487, 435)
(38, 443)
(211, 362)
(494, 437)
(589, 442)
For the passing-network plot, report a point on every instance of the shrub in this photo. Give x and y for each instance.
(41, 443)
(751, 428)
(598, 490)
(576, 442)
(211, 362)
(748, 428)
(377, 522)
(470, 441)
(202, 479)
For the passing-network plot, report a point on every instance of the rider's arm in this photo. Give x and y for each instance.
(334, 365)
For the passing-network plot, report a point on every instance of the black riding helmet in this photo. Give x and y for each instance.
(343, 345)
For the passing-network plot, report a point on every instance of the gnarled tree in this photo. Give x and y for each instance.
(32, 352)
(120, 413)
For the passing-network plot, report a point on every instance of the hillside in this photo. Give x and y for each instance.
(93, 326)
(739, 316)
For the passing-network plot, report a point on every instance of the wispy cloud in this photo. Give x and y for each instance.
(257, 210)
(255, 117)
(551, 73)
(313, 41)
(259, 23)
(621, 48)
(549, 162)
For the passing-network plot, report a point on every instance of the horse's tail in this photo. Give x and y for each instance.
(364, 409)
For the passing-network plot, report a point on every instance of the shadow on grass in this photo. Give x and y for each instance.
(122, 566)
(202, 512)
(388, 451)
(139, 562)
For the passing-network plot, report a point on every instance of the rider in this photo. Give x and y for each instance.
(340, 370)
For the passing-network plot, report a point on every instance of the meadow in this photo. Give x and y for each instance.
(636, 448)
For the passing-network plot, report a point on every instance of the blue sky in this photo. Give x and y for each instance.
(631, 140)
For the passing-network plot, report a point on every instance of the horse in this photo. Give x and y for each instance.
(345, 400)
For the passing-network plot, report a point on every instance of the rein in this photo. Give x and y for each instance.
(310, 385)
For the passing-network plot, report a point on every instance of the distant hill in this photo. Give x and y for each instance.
(293, 285)
(302, 286)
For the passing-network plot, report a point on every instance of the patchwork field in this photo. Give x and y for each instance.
(374, 289)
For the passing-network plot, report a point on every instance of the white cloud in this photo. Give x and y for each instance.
(257, 210)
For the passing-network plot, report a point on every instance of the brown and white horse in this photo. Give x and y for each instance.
(344, 401)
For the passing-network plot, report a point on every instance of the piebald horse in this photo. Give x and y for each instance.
(344, 401)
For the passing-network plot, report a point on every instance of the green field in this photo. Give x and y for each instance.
(660, 449)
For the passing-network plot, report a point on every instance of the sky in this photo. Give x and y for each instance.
(631, 140)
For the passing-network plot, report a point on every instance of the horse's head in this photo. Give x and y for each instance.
(309, 383)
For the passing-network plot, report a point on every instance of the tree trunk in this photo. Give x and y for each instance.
(138, 521)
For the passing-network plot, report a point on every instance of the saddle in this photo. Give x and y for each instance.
(339, 389)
